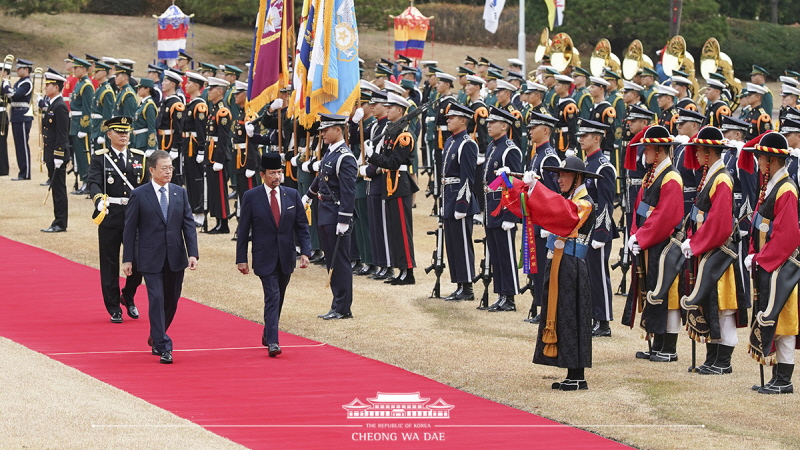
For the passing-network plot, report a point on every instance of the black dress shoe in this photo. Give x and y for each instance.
(322, 316)
(166, 358)
(573, 385)
(535, 319)
(506, 303)
(365, 270)
(358, 267)
(381, 271)
(316, 255)
(116, 317)
(332, 315)
(150, 341)
(154, 351)
(220, 230)
(46, 183)
(232, 195)
(54, 229)
(406, 277)
(274, 350)
(347, 315)
(20, 179)
(133, 311)
(264, 340)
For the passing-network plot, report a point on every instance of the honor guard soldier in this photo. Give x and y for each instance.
(659, 210)
(775, 239)
(536, 93)
(550, 95)
(19, 97)
(565, 137)
(170, 124)
(81, 124)
(382, 73)
(218, 154)
(758, 77)
(335, 187)
(688, 124)
(458, 176)
(759, 117)
(231, 74)
(477, 131)
(156, 74)
(543, 155)
(5, 71)
(462, 97)
(55, 136)
(126, 96)
(444, 85)
(601, 189)
(790, 93)
(581, 93)
(712, 317)
(378, 236)
(360, 123)
(194, 142)
(682, 84)
(603, 112)
(144, 120)
(182, 65)
(637, 119)
(668, 117)
(92, 60)
(648, 80)
(245, 149)
(395, 158)
(564, 338)
(491, 86)
(104, 105)
(517, 80)
(69, 71)
(114, 173)
(505, 92)
(617, 101)
(716, 108)
(791, 130)
(277, 121)
(112, 63)
(501, 224)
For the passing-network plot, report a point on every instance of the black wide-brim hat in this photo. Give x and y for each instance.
(771, 144)
(573, 165)
(657, 135)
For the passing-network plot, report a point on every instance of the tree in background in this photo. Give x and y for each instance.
(24, 8)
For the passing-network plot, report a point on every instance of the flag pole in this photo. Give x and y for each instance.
(521, 36)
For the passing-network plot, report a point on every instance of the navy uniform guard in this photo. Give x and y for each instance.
(19, 97)
(245, 149)
(218, 154)
(156, 74)
(55, 134)
(335, 186)
(104, 105)
(759, 117)
(395, 158)
(144, 118)
(790, 92)
(688, 124)
(505, 92)
(716, 108)
(170, 124)
(477, 130)
(758, 77)
(113, 174)
(617, 101)
(603, 112)
(194, 144)
(458, 176)
(668, 117)
(375, 194)
(601, 189)
(567, 112)
(501, 225)
(5, 70)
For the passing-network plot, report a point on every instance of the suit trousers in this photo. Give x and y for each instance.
(22, 131)
(58, 187)
(460, 251)
(110, 240)
(503, 259)
(379, 242)
(361, 230)
(274, 286)
(195, 184)
(80, 151)
(400, 232)
(342, 277)
(163, 292)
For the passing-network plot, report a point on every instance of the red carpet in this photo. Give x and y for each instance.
(53, 306)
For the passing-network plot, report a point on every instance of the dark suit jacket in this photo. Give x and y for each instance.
(271, 242)
(159, 240)
(55, 130)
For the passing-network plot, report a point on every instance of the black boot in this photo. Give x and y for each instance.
(453, 297)
(722, 362)
(391, 277)
(466, 292)
(532, 315)
(783, 381)
(711, 357)
(506, 303)
(772, 380)
(658, 342)
(668, 352)
(387, 272)
(601, 329)
(494, 305)
(406, 277)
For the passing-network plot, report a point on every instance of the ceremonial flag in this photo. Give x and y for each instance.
(302, 60)
(410, 32)
(555, 12)
(269, 63)
(491, 14)
(173, 26)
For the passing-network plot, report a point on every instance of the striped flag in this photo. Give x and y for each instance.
(555, 12)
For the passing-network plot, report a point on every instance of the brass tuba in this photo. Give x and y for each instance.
(8, 60)
(602, 58)
(677, 58)
(712, 59)
(543, 49)
(563, 53)
(40, 73)
(634, 60)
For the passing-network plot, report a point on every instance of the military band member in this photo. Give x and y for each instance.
(462, 97)
(245, 149)
(688, 125)
(55, 135)
(491, 86)
(716, 108)
(550, 95)
(759, 117)
(659, 210)
(458, 176)
(5, 71)
(144, 119)
(776, 237)
(711, 229)
(19, 97)
(126, 96)
(603, 112)
(194, 144)
(170, 124)
(682, 84)
(114, 173)
(789, 96)
(501, 225)
(218, 154)
(758, 77)
(648, 79)
(104, 105)
(505, 92)
(81, 125)
(581, 93)
(536, 93)
(565, 137)
(668, 117)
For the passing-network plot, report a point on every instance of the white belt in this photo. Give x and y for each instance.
(140, 131)
(489, 190)
(212, 138)
(2, 109)
(442, 127)
(117, 200)
(634, 181)
(451, 180)
(243, 145)
(430, 119)
(71, 113)
(690, 189)
(97, 116)
(403, 168)
(165, 132)
(565, 129)
(19, 105)
(190, 134)
(737, 196)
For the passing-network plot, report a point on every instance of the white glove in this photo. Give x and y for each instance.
(633, 245)
(249, 173)
(748, 262)
(250, 129)
(276, 104)
(358, 115)
(507, 225)
(101, 140)
(341, 228)
(368, 149)
(681, 139)
(481, 160)
(459, 215)
(5, 84)
(148, 153)
(39, 98)
(501, 170)
(306, 200)
(283, 157)
(544, 233)
(316, 165)
(306, 166)
(743, 233)
(81, 135)
(686, 248)
(294, 160)
(199, 158)
(597, 244)
(529, 178)
(58, 163)
(363, 171)
(569, 152)
(301, 150)
(101, 206)
(217, 167)
(173, 154)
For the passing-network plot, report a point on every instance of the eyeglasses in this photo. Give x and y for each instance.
(166, 168)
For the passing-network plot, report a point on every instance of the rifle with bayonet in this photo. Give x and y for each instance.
(437, 265)
(624, 261)
(484, 275)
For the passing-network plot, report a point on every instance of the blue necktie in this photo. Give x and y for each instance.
(163, 201)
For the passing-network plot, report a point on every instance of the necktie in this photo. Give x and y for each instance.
(273, 203)
(121, 161)
(163, 201)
